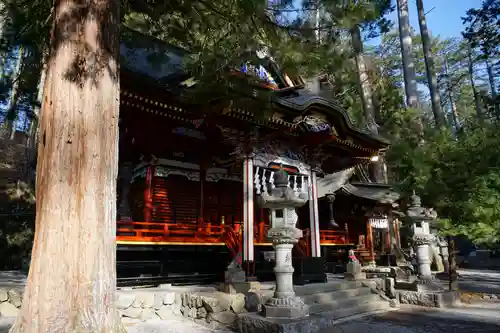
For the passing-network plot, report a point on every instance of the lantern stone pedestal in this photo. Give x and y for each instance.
(422, 242)
(284, 303)
(281, 202)
(424, 290)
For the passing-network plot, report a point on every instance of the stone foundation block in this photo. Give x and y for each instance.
(439, 299)
(292, 312)
(255, 323)
(239, 287)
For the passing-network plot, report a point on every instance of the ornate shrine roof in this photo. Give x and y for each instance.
(154, 76)
(381, 193)
(345, 183)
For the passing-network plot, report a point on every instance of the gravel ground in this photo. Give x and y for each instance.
(170, 326)
(422, 320)
(153, 326)
(470, 319)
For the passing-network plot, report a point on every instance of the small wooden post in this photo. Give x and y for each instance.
(262, 233)
(396, 231)
(369, 240)
(388, 246)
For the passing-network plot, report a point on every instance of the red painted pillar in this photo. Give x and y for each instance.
(201, 215)
(148, 193)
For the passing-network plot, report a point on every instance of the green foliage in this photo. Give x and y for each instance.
(27, 26)
(483, 27)
(458, 175)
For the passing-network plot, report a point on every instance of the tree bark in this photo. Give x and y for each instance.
(72, 278)
(493, 90)
(365, 91)
(429, 66)
(406, 47)
(451, 96)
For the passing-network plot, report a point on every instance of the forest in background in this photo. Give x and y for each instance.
(434, 98)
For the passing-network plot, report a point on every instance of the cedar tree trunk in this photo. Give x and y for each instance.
(72, 277)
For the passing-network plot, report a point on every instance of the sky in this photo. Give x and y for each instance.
(444, 20)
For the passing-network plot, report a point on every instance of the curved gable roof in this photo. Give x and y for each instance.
(162, 62)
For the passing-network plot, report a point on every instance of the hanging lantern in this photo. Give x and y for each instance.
(331, 221)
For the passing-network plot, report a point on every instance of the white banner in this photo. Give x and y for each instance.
(379, 223)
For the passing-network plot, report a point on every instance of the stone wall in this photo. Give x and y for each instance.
(10, 302)
(212, 309)
(204, 306)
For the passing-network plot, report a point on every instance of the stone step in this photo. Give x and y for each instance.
(316, 322)
(315, 288)
(335, 296)
(352, 302)
(376, 305)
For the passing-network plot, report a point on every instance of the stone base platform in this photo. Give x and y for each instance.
(429, 293)
(314, 323)
(297, 309)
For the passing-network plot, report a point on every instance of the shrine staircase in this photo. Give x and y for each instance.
(232, 240)
(340, 298)
(363, 256)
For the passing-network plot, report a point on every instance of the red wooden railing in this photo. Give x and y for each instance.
(208, 233)
(168, 232)
(334, 237)
(363, 255)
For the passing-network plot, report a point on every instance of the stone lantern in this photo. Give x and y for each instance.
(420, 217)
(282, 202)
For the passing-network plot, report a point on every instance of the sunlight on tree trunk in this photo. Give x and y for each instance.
(451, 96)
(406, 49)
(72, 278)
(429, 66)
(365, 91)
(409, 77)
